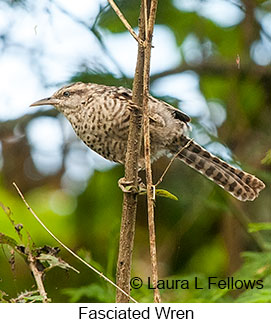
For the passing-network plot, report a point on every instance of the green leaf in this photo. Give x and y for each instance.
(254, 227)
(53, 261)
(167, 194)
(4, 239)
(28, 297)
(158, 192)
(3, 295)
(267, 159)
(33, 299)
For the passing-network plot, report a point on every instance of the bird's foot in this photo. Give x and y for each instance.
(129, 187)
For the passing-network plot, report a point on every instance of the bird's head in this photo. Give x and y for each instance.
(68, 98)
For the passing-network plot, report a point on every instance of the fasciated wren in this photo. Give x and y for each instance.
(100, 116)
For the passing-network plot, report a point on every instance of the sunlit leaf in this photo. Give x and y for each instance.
(165, 193)
(3, 297)
(53, 261)
(267, 159)
(32, 296)
(4, 239)
(254, 227)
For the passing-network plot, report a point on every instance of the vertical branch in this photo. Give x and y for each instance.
(149, 25)
(129, 207)
(140, 98)
(38, 277)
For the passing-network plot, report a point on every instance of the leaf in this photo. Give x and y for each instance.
(167, 194)
(158, 192)
(33, 299)
(4, 239)
(28, 297)
(53, 261)
(254, 227)
(267, 159)
(2, 297)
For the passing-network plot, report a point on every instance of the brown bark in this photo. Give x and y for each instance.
(140, 97)
(149, 25)
(127, 231)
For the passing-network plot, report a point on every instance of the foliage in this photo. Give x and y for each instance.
(43, 258)
(254, 227)
(267, 159)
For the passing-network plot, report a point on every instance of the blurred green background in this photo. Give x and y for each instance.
(211, 59)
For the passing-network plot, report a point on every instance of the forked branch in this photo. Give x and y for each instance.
(140, 98)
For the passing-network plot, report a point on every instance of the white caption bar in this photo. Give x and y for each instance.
(110, 312)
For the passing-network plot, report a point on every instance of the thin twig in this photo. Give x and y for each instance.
(149, 25)
(171, 161)
(216, 68)
(124, 21)
(242, 8)
(146, 24)
(94, 31)
(67, 248)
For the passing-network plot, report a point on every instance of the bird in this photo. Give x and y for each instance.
(100, 114)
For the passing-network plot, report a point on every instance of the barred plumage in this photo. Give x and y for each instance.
(100, 116)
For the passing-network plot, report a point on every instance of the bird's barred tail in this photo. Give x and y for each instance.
(243, 186)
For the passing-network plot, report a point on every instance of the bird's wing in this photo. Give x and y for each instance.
(177, 113)
(126, 94)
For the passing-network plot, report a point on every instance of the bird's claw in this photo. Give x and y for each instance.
(128, 187)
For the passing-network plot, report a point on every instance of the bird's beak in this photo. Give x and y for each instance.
(46, 101)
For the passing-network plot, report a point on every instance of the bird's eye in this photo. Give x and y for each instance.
(66, 93)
